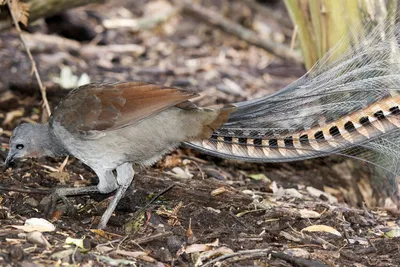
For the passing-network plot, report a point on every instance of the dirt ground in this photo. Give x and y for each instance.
(189, 209)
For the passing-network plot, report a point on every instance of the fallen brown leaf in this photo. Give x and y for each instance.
(20, 11)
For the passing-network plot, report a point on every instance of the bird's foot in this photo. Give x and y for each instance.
(49, 203)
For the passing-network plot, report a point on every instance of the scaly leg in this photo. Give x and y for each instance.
(107, 184)
(63, 192)
(125, 175)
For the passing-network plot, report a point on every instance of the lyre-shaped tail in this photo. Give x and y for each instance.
(348, 107)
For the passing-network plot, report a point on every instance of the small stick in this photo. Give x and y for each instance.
(215, 19)
(147, 239)
(27, 190)
(151, 201)
(34, 68)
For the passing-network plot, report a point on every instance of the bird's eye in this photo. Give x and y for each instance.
(19, 146)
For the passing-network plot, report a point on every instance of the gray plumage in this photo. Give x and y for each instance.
(109, 127)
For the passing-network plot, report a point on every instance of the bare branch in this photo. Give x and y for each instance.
(34, 68)
(250, 36)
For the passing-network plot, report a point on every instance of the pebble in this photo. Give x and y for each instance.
(30, 201)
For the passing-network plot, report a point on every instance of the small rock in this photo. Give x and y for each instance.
(16, 254)
(191, 41)
(174, 243)
(77, 256)
(37, 238)
(318, 193)
(297, 252)
(30, 201)
(164, 255)
(181, 82)
(3, 213)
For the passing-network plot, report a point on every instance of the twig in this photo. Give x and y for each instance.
(257, 253)
(151, 201)
(147, 239)
(50, 42)
(122, 241)
(34, 68)
(73, 255)
(27, 190)
(144, 23)
(201, 171)
(215, 19)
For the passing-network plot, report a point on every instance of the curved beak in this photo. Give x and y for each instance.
(9, 159)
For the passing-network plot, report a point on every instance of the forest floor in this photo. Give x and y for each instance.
(189, 209)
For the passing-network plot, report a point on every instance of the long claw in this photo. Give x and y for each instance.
(50, 202)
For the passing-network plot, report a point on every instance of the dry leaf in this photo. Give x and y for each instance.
(322, 228)
(62, 254)
(293, 192)
(36, 224)
(194, 248)
(104, 249)
(105, 234)
(181, 173)
(219, 191)
(10, 116)
(135, 254)
(189, 232)
(392, 232)
(201, 247)
(171, 214)
(317, 194)
(297, 252)
(212, 254)
(116, 262)
(56, 215)
(259, 176)
(20, 11)
(62, 177)
(75, 241)
(309, 214)
(172, 161)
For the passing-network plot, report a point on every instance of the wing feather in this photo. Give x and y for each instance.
(105, 107)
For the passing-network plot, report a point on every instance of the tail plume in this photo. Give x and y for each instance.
(348, 107)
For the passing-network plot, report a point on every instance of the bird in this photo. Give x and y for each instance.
(112, 127)
(349, 106)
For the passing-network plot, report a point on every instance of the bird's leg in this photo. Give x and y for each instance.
(107, 184)
(125, 175)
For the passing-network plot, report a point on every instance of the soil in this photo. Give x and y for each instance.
(189, 209)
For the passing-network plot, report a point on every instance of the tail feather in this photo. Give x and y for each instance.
(347, 107)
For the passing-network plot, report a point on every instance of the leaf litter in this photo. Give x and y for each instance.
(258, 221)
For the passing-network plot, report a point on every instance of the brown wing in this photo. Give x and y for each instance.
(100, 107)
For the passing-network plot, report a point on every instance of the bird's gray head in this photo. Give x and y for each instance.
(30, 140)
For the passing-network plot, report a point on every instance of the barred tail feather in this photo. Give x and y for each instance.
(348, 107)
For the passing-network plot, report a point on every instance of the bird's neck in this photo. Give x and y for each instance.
(51, 145)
